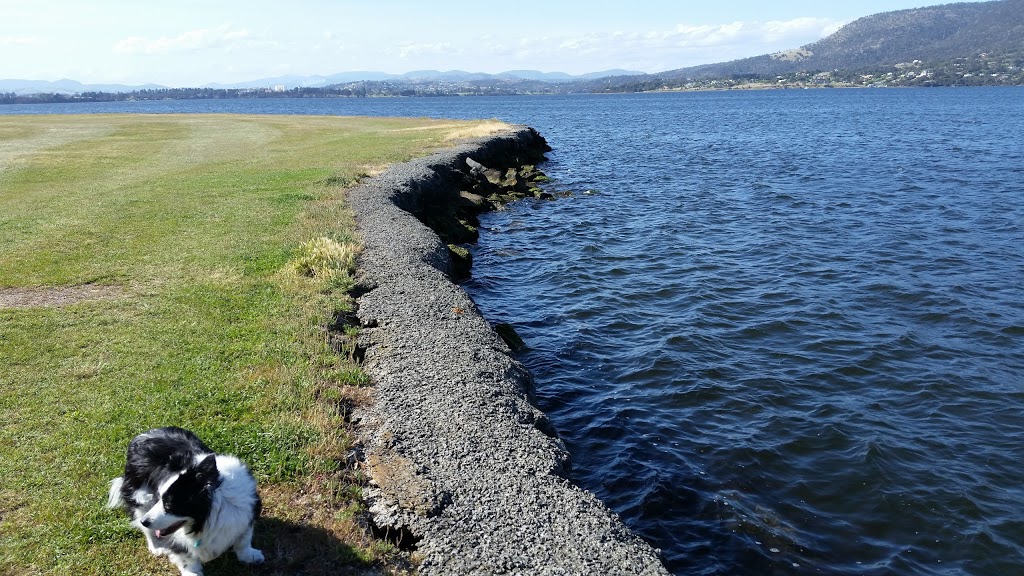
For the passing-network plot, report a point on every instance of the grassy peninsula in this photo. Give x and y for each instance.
(181, 270)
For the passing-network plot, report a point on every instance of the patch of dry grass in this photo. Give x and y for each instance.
(462, 131)
(43, 296)
(481, 130)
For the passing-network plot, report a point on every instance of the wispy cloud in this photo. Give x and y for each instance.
(18, 40)
(685, 36)
(250, 50)
(414, 49)
(679, 46)
(799, 27)
(204, 38)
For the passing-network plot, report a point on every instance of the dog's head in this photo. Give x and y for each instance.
(184, 500)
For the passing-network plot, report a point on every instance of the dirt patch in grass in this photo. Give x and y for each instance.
(54, 296)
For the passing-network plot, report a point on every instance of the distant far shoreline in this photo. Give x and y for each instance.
(916, 77)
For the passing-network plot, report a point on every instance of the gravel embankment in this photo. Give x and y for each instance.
(463, 466)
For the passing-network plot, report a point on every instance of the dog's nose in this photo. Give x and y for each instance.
(145, 522)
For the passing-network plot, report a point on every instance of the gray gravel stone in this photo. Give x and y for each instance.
(460, 459)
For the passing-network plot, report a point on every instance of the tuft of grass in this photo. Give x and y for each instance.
(191, 227)
(329, 262)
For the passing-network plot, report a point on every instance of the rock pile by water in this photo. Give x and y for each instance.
(465, 471)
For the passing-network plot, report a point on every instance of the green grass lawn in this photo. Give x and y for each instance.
(181, 231)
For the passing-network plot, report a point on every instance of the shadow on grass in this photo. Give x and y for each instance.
(294, 549)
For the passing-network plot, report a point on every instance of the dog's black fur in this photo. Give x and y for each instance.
(159, 454)
(187, 507)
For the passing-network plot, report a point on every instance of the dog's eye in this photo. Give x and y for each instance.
(171, 500)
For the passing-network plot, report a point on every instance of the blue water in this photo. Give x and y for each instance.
(780, 332)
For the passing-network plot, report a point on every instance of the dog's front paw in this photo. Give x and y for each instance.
(187, 566)
(250, 556)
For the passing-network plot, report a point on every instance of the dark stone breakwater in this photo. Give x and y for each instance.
(463, 466)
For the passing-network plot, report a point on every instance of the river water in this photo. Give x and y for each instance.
(781, 332)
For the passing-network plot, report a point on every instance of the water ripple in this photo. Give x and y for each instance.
(786, 337)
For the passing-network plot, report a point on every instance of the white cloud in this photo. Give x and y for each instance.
(408, 50)
(754, 34)
(201, 52)
(18, 40)
(222, 36)
(799, 27)
(680, 46)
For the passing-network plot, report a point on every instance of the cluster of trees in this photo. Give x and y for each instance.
(8, 98)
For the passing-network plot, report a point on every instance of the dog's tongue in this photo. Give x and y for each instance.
(168, 531)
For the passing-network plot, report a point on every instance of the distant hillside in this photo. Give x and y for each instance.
(341, 85)
(415, 77)
(64, 86)
(934, 36)
(420, 76)
(503, 82)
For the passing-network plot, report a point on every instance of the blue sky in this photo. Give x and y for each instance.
(194, 42)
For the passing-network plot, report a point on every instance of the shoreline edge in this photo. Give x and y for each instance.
(465, 472)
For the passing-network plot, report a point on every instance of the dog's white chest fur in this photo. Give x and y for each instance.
(231, 512)
(202, 505)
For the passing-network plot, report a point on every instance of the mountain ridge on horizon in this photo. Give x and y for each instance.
(69, 86)
(943, 31)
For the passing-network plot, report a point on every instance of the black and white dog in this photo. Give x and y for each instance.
(191, 503)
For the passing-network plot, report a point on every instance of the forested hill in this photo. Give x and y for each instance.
(935, 36)
(930, 34)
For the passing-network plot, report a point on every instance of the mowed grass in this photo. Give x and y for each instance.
(186, 226)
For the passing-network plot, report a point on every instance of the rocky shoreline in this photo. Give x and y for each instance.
(465, 471)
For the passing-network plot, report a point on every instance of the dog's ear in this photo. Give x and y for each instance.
(206, 470)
